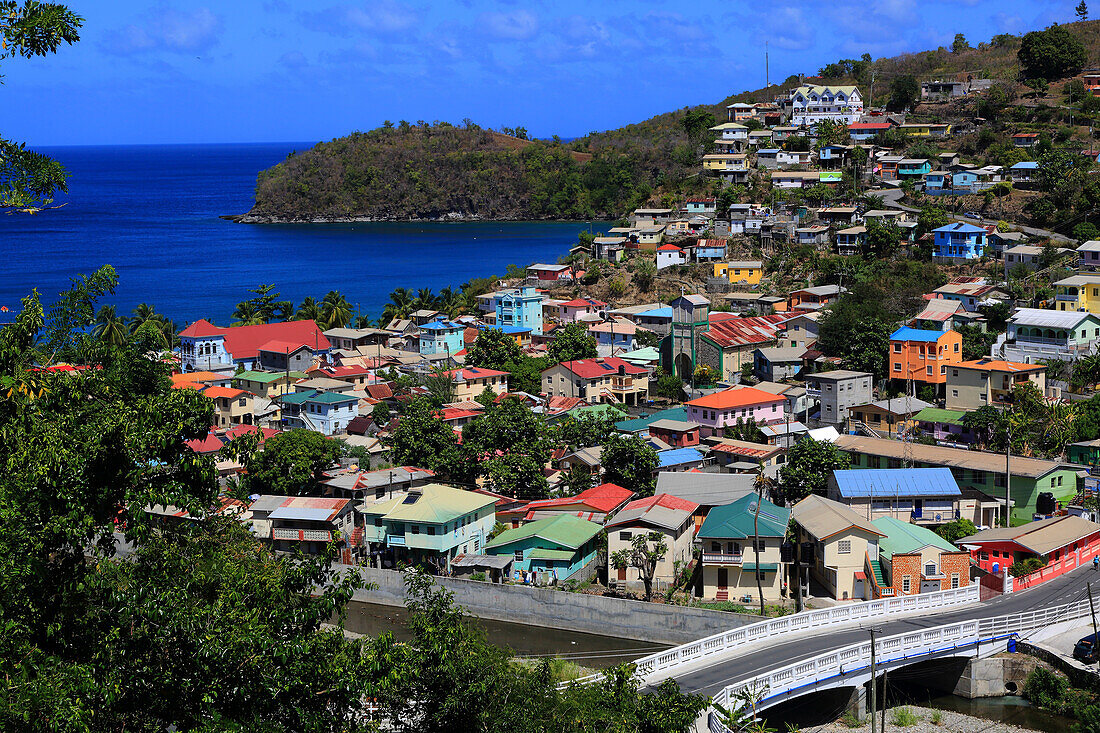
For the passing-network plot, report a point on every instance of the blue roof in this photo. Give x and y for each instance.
(441, 325)
(767, 150)
(641, 423)
(961, 227)
(1026, 164)
(665, 312)
(906, 333)
(507, 329)
(882, 483)
(676, 456)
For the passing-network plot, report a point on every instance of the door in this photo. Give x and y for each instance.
(918, 508)
(622, 573)
(723, 585)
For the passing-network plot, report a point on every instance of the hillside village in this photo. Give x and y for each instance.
(855, 366)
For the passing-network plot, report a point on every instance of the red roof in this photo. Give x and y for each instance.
(558, 404)
(593, 368)
(228, 393)
(869, 126)
(244, 342)
(737, 397)
(238, 430)
(583, 303)
(379, 391)
(210, 444)
(669, 248)
(603, 498)
(668, 501)
(745, 331)
(475, 373)
(282, 347)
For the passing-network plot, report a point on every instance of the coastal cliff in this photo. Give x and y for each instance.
(442, 172)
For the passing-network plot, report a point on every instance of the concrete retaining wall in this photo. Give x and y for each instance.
(558, 609)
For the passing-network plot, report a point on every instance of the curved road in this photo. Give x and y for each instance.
(761, 659)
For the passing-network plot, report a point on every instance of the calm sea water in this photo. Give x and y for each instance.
(152, 212)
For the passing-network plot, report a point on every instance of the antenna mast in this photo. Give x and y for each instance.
(767, 71)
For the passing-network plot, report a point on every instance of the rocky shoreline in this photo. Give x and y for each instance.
(949, 722)
(453, 217)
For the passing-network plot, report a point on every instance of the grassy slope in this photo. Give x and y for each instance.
(431, 172)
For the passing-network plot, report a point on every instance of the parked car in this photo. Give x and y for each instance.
(1085, 649)
(972, 215)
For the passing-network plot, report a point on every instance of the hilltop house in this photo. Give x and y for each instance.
(749, 272)
(1078, 293)
(958, 241)
(813, 103)
(441, 336)
(325, 412)
(520, 307)
(923, 356)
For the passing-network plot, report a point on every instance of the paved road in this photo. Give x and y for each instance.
(710, 680)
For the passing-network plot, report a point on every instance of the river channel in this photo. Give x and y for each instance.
(587, 650)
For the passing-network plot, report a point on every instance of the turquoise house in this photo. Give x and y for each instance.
(520, 307)
(913, 169)
(560, 545)
(441, 336)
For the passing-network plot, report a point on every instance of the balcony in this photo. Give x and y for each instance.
(1066, 298)
(721, 558)
(301, 535)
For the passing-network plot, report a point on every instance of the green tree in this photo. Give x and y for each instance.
(292, 463)
(511, 445)
(809, 465)
(645, 552)
(881, 239)
(381, 414)
(858, 333)
(629, 462)
(931, 217)
(904, 92)
(309, 310)
(110, 327)
(587, 429)
(697, 124)
(955, 530)
(335, 310)
(644, 271)
(571, 343)
(1086, 231)
(422, 439)
(493, 349)
(578, 479)
(667, 385)
(441, 386)
(1051, 54)
(1082, 11)
(29, 180)
(959, 44)
(975, 342)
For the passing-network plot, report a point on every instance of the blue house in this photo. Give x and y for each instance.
(327, 413)
(937, 181)
(441, 336)
(710, 249)
(556, 546)
(917, 495)
(521, 307)
(959, 241)
(964, 180)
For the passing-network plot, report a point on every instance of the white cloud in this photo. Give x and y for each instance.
(170, 30)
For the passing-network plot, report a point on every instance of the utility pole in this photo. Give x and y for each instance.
(873, 692)
(756, 537)
(1092, 612)
(767, 73)
(1008, 478)
(883, 726)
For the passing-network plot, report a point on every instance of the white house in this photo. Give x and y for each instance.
(812, 103)
(669, 255)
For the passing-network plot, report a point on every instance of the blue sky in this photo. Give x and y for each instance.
(286, 70)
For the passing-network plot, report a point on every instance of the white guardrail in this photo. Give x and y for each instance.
(856, 659)
(728, 641)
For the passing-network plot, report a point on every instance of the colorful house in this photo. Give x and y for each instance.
(556, 548)
(614, 337)
(595, 504)
(520, 307)
(541, 273)
(863, 131)
(1060, 543)
(1078, 293)
(677, 433)
(206, 347)
(609, 379)
(268, 385)
(959, 241)
(841, 546)
(740, 543)
(430, 523)
(441, 336)
(576, 309)
(327, 413)
(750, 272)
(947, 427)
(917, 495)
(715, 412)
(1036, 333)
(923, 356)
(917, 560)
(469, 382)
(913, 169)
(812, 103)
(669, 255)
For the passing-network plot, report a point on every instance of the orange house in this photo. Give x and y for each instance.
(922, 355)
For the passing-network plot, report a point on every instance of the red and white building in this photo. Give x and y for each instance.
(595, 505)
(581, 309)
(1065, 542)
(539, 273)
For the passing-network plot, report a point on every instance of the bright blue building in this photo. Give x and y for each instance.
(520, 307)
(441, 336)
(959, 241)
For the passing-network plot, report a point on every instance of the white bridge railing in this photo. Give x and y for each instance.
(667, 661)
(855, 660)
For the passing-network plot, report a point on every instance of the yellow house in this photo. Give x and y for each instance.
(926, 129)
(740, 271)
(726, 162)
(1078, 293)
(231, 406)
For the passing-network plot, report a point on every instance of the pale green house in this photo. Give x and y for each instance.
(430, 524)
(558, 546)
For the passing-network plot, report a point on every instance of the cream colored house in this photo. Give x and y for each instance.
(844, 544)
(605, 379)
(985, 381)
(663, 513)
(470, 382)
(731, 564)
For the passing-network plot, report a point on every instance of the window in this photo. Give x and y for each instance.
(431, 530)
(928, 369)
(905, 584)
(415, 528)
(897, 366)
(625, 536)
(954, 580)
(955, 373)
(930, 568)
(897, 348)
(956, 348)
(943, 370)
(955, 392)
(518, 556)
(844, 547)
(983, 556)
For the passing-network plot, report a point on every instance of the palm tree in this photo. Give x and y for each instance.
(364, 322)
(335, 310)
(143, 313)
(247, 314)
(282, 310)
(110, 327)
(308, 311)
(453, 302)
(402, 302)
(425, 300)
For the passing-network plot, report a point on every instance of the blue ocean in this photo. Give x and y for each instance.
(152, 212)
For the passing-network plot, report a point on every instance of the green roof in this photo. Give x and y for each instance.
(324, 398)
(767, 567)
(436, 504)
(735, 521)
(903, 538)
(646, 353)
(268, 377)
(601, 409)
(540, 553)
(566, 530)
(936, 414)
(641, 423)
(294, 398)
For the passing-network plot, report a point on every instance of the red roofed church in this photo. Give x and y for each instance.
(206, 347)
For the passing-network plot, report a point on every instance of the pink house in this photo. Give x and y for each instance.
(717, 411)
(572, 310)
(540, 273)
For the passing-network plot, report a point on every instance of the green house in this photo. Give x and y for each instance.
(1087, 452)
(559, 545)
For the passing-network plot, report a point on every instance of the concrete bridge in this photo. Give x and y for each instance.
(781, 659)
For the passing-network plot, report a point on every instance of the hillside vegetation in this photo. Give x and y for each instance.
(443, 171)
